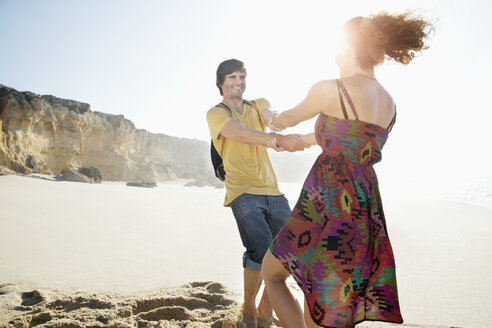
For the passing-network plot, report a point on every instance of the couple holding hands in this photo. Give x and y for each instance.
(334, 243)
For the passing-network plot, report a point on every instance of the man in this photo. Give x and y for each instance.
(260, 209)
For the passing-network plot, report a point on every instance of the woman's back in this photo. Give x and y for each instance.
(372, 103)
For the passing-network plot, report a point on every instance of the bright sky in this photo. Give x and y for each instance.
(155, 63)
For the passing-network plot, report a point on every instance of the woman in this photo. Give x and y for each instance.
(335, 243)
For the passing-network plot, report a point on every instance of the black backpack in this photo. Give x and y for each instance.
(214, 154)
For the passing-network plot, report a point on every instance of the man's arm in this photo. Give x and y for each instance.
(236, 131)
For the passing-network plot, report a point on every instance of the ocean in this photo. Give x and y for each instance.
(476, 191)
(472, 191)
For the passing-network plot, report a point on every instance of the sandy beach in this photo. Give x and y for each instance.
(108, 255)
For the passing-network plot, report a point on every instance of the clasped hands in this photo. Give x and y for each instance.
(282, 142)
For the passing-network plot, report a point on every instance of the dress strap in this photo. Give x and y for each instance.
(349, 100)
(342, 103)
(390, 126)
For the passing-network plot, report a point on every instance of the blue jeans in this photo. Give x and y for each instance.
(259, 219)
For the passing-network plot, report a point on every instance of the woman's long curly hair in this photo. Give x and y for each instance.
(395, 36)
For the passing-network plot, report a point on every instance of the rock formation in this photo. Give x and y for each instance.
(74, 177)
(142, 184)
(49, 135)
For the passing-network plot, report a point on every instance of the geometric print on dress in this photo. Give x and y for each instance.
(335, 242)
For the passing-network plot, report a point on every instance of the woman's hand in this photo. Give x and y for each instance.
(272, 126)
(268, 116)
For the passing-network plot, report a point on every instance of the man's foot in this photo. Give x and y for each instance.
(265, 310)
(269, 317)
(276, 322)
(249, 317)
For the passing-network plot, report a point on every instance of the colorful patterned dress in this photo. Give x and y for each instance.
(335, 243)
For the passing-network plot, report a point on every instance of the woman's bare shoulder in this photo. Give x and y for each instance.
(327, 89)
(325, 84)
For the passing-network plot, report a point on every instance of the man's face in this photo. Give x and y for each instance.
(234, 85)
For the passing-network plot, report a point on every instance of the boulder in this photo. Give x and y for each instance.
(92, 172)
(142, 184)
(205, 181)
(74, 177)
(41, 176)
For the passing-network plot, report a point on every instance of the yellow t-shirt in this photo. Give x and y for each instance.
(248, 167)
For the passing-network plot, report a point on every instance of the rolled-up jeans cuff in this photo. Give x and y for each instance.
(250, 264)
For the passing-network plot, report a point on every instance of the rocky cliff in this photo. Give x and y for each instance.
(49, 135)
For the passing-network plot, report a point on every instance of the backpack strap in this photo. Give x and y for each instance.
(252, 103)
(224, 106)
(349, 100)
(247, 102)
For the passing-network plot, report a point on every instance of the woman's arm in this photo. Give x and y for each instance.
(310, 139)
(317, 100)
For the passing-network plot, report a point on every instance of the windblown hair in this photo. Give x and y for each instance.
(227, 67)
(394, 36)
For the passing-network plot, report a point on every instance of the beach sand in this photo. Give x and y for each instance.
(108, 255)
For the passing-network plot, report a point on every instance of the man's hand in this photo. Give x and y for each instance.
(277, 148)
(291, 142)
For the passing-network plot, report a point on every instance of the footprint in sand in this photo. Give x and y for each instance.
(198, 304)
(32, 298)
